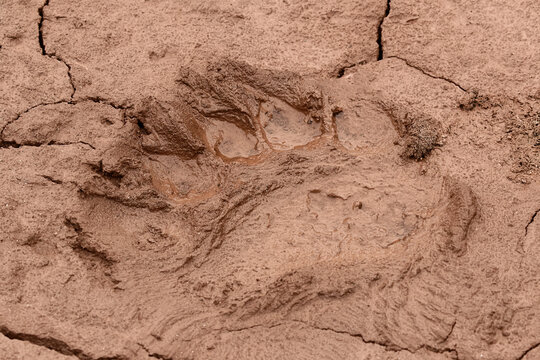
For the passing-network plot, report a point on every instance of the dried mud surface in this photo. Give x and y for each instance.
(270, 180)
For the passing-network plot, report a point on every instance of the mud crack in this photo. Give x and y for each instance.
(154, 355)
(385, 346)
(101, 100)
(44, 52)
(428, 74)
(98, 100)
(449, 333)
(40, 27)
(53, 344)
(41, 12)
(522, 356)
(531, 221)
(380, 56)
(24, 112)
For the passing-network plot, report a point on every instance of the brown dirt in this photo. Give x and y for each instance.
(270, 180)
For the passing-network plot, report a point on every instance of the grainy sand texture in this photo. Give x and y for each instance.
(277, 179)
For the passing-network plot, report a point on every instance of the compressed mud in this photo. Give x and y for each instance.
(270, 180)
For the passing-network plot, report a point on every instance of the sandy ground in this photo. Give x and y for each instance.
(274, 179)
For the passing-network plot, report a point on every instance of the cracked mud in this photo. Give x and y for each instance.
(270, 180)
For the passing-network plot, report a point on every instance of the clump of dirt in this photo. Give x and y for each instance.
(422, 135)
(419, 133)
(527, 161)
(474, 99)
